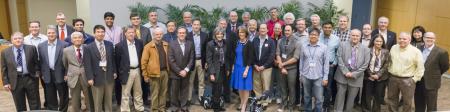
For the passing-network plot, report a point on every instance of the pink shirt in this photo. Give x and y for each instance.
(271, 25)
(113, 34)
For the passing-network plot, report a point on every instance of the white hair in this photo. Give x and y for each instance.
(74, 34)
(245, 14)
(314, 15)
(288, 15)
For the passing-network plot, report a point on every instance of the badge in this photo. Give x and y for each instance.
(266, 45)
(283, 56)
(102, 64)
(312, 64)
(19, 69)
(349, 62)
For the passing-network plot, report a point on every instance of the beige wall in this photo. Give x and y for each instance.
(347, 6)
(45, 11)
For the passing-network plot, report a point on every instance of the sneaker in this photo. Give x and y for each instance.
(279, 110)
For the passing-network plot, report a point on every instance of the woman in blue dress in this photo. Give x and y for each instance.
(242, 59)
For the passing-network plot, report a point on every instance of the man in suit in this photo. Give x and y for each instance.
(155, 67)
(101, 69)
(199, 39)
(353, 59)
(187, 21)
(128, 55)
(389, 36)
(233, 25)
(142, 32)
(181, 59)
(436, 64)
(252, 29)
(73, 61)
(64, 30)
(53, 71)
(79, 27)
(20, 68)
(265, 54)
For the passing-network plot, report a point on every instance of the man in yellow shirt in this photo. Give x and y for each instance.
(406, 68)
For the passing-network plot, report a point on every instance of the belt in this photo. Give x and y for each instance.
(199, 58)
(20, 75)
(400, 77)
(134, 67)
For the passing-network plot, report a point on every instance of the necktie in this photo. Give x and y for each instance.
(102, 52)
(234, 28)
(138, 33)
(376, 65)
(19, 57)
(63, 35)
(353, 64)
(79, 56)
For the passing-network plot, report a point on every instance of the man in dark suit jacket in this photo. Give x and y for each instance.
(20, 68)
(181, 58)
(142, 32)
(265, 55)
(199, 39)
(53, 71)
(436, 64)
(63, 30)
(129, 69)
(390, 37)
(233, 25)
(100, 69)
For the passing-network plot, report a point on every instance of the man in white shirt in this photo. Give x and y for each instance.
(153, 22)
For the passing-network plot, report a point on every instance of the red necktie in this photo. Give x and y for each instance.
(79, 57)
(62, 36)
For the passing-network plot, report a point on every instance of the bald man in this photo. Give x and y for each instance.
(406, 69)
(436, 64)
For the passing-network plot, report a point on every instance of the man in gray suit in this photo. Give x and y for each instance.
(20, 68)
(100, 70)
(73, 59)
(53, 71)
(181, 58)
(353, 59)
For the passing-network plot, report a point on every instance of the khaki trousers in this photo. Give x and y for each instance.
(201, 80)
(158, 87)
(261, 82)
(133, 83)
(406, 87)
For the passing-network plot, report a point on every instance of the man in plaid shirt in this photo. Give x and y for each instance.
(343, 31)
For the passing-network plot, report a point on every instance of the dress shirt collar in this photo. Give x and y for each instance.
(181, 41)
(80, 47)
(52, 43)
(429, 48)
(264, 37)
(99, 42)
(314, 45)
(368, 37)
(130, 42)
(20, 47)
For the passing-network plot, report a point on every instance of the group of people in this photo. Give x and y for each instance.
(157, 63)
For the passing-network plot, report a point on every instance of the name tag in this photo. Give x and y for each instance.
(19, 69)
(312, 64)
(377, 69)
(349, 62)
(266, 45)
(283, 56)
(102, 64)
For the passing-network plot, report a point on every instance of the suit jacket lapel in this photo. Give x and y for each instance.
(11, 54)
(433, 52)
(45, 55)
(59, 46)
(95, 49)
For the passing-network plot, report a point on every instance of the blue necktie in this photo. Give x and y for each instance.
(19, 57)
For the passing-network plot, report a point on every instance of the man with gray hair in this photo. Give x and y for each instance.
(233, 24)
(53, 72)
(20, 73)
(153, 22)
(353, 59)
(390, 37)
(300, 25)
(289, 18)
(315, 22)
(128, 52)
(246, 18)
(252, 26)
(406, 68)
(187, 21)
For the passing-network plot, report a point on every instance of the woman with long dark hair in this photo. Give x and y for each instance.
(417, 36)
(375, 75)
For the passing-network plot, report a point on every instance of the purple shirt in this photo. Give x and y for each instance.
(113, 34)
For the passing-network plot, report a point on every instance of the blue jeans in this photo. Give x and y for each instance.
(330, 90)
(312, 87)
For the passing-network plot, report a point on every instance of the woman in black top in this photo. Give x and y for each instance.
(417, 36)
(216, 59)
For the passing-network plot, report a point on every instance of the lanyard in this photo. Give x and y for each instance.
(312, 54)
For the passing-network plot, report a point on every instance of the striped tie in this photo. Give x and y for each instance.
(19, 57)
